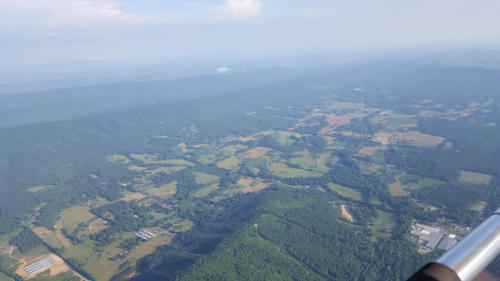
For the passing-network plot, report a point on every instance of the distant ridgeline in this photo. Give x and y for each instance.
(317, 178)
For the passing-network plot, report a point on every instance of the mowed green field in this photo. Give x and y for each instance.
(345, 191)
(73, 216)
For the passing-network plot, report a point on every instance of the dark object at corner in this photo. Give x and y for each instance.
(435, 272)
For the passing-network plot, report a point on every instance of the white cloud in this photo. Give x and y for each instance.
(46, 15)
(223, 69)
(244, 8)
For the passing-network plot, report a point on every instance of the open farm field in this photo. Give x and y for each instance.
(256, 152)
(382, 225)
(165, 191)
(73, 216)
(205, 191)
(133, 197)
(420, 139)
(229, 163)
(474, 178)
(345, 191)
(397, 189)
(204, 178)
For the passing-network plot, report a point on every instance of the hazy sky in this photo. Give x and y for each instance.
(45, 31)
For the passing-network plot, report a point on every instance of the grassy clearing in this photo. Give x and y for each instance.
(382, 137)
(368, 168)
(345, 191)
(97, 202)
(251, 184)
(65, 276)
(379, 158)
(285, 138)
(4, 278)
(183, 225)
(167, 170)
(207, 158)
(204, 178)
(117, 158)
(165, 191)
(38, 251)
(409, 178)
(282, 170)
(80, 252)
(135, 168)
(478, 206)
(315, 164)
(369, 150)
(382, 225)
(6, 261)
(474, 178)
(36, 188)
(420, 139)
(231, 150)
(96, 226)
(73, 216)
(152, 159)
(150, 246)
(229, 163)
(133, 196)
(256, 152)
(426, 182)
(178, 162)
(99, 266)
(48, 237)
(256, 187)
(205, 191)
(397, 189)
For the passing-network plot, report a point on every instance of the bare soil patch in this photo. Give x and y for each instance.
(345, 213)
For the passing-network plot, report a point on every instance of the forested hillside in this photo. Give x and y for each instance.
(247, 177)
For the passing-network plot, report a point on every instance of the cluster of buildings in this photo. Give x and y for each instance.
(145, 234)
(40, 265)
(432, 237)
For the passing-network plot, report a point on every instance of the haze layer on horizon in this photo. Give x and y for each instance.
(34, 32)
